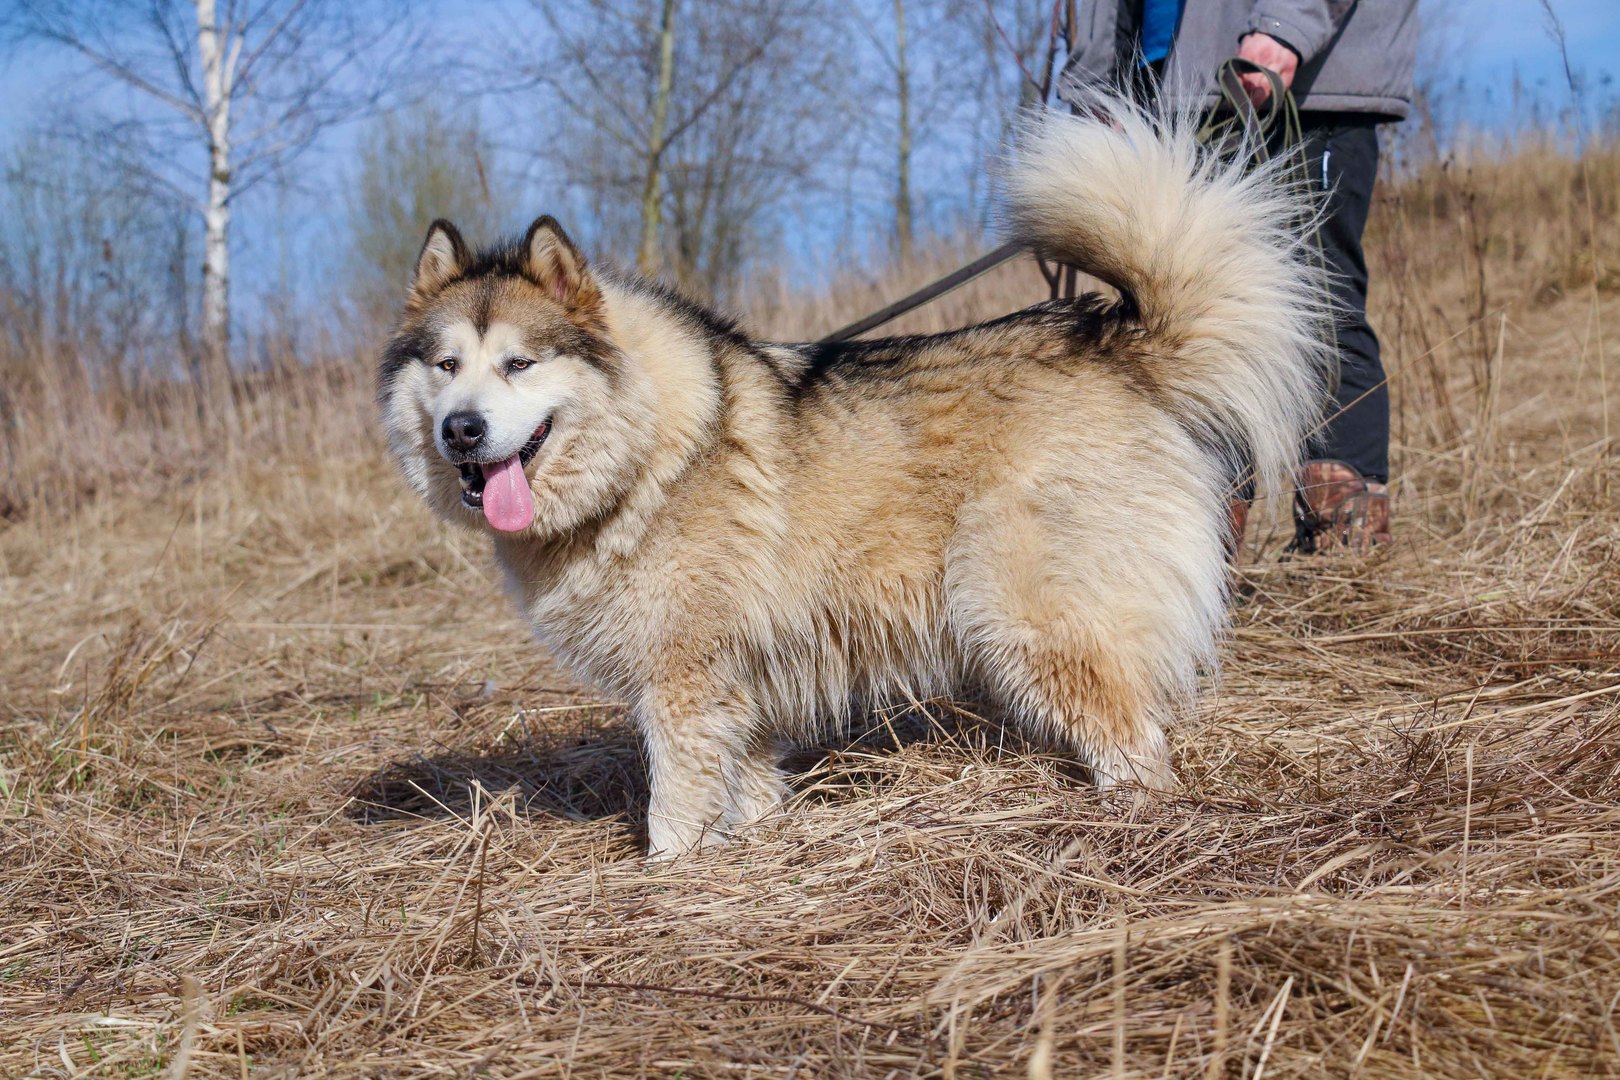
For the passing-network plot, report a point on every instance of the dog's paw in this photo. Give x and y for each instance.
(1133, 784)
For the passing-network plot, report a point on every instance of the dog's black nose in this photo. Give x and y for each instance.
(463, 431)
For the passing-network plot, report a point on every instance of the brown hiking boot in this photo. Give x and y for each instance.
(1237, 517)
(1336, 508)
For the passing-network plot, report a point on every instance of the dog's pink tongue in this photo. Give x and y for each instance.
(508, 502)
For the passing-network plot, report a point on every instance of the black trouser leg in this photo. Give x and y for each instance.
(1342, 156)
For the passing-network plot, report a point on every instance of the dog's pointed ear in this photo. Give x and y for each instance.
(552, 261)
(444, 256)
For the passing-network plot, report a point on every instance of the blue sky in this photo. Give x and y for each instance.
(1491, 37)
(1482, 42)
(1496, 34)
(1487, 40)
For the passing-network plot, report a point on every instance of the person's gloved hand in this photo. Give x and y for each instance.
(1268, 52)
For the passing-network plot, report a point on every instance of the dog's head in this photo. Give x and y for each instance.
(505, 398)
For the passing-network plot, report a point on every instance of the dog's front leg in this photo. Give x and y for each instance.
(711, 768)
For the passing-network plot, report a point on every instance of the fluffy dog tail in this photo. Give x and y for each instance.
(1213, 258)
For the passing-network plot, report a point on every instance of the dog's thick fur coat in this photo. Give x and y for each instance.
(745, 541)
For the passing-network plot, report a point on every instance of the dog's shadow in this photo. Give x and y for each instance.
(600, 773)
(578, 776)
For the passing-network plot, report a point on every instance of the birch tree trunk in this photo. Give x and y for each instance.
(651, 196)
(902, 193)
(218, 52)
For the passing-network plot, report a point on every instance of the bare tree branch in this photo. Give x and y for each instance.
(257, 83)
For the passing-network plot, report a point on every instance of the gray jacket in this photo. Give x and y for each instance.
(1355, 55)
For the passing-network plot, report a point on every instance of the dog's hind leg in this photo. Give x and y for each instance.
(1053, 678)
(710, 767)
(1089, 638)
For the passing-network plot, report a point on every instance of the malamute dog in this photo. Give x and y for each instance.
(746, 540)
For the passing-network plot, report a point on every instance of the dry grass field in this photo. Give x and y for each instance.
(285, 789)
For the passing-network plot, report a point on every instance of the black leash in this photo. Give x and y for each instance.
(1235, 124)
(933, 291)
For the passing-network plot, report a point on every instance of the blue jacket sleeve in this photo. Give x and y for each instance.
(1304, 25)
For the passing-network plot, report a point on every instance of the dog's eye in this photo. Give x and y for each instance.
(447, 364)
(519, 363)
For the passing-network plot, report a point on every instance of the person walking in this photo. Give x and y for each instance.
(1349, 64)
